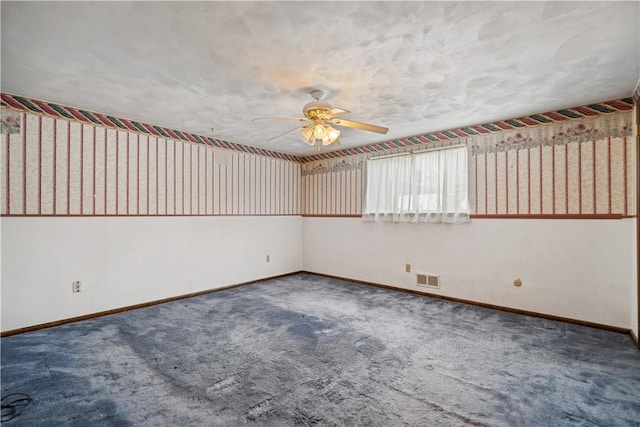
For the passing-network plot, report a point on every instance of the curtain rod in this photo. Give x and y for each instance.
(417, 152)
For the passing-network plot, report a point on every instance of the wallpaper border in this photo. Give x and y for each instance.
(25, 104)
(519, 123)
(58, 111)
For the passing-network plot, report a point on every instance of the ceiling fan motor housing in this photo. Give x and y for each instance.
(315, 109)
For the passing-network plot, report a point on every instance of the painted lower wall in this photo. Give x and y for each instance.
(578, 269)
(162, 257)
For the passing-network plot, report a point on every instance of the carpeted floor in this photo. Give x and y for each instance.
(308, 350)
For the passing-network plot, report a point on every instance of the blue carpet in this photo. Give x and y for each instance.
(308, 350)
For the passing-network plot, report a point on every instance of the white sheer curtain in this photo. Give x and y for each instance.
(424, 187)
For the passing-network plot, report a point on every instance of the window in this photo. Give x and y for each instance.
(423, 187)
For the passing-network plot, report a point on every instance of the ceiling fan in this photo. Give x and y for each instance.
(318, 118)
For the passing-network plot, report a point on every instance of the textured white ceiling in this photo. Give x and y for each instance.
(414, 67)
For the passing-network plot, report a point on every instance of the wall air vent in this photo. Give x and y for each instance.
(428, 280)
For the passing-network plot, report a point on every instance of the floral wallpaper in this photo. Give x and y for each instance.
(581, 167)
(9, 121)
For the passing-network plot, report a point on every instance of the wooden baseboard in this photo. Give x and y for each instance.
(482, 304)
(635, 339)
(134, 307)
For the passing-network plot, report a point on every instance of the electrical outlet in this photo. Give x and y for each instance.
(407, 268)
(75, 287)
(268, 259)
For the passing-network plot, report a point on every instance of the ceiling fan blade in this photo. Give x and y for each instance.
(359, 125)
(286, 133)
(289, 119)
(336, 112)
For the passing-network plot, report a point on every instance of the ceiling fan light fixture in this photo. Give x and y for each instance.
(319, 131)
(307, 135)
(333, 133)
